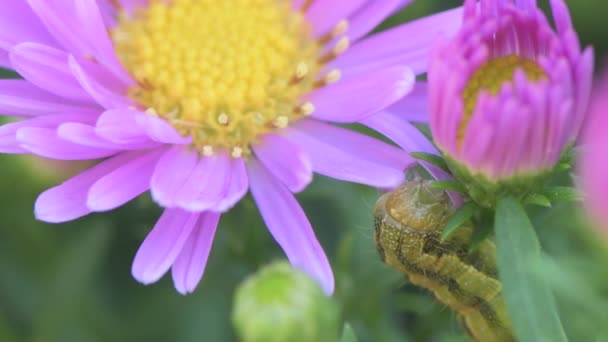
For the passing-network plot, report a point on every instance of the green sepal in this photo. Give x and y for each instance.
(460, 216)
(538, 199)
(448, 185)
(432, 159)
(561, 193)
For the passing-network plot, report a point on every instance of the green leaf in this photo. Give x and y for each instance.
(431, 158)
(529, 300)
(538, 199)
(348, 334)
(562, 193)
(448, 185)
(459, 217)
(480, 233)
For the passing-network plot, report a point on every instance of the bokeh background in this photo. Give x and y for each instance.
(72, 282)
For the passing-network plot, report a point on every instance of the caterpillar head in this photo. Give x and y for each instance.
(405, 217)
(414, 206)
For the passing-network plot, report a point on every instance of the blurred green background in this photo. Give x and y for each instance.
(72, 282)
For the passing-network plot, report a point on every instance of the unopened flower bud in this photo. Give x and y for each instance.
(280, 303)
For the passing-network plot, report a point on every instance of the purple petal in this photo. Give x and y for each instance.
(409, 138)
(414, 106)
(289, 226)
(120, 126)
(406, 136)
(407, 44)
(347, 155)
(357, 98)
(19, 24)
(8, 132)
(372, 14)
(67, 201)
(47, 68)
(162, 245)
(189, 266)
(78, 26)
(59, 18)
(46, 143)
(323, 19)
(171, 173)
(128, 126)
(286, 160)
(239, 184)
(95, 32)
(123, 184)
(94, 79)
(207, 185)
(131, 5)
(160, 130)
(86, 135)
(21, 98)
(5, 61)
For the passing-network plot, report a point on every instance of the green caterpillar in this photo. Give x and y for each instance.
(408, 225)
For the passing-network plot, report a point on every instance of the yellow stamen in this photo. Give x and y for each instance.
(490, 77)
(306, 109)
(281, 121)
(223, 72)
(331, 77)
(207, 150)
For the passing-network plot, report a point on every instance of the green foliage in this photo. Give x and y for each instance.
(462, 215)
(530, 301)
(348, 334)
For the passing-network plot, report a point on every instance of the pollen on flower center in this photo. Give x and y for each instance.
(490, 77)
(224, 72)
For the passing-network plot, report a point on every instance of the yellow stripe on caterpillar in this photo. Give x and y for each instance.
(408, 225)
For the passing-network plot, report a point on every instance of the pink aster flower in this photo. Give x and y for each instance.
(508, 93)
(594, 158)
(200, 102)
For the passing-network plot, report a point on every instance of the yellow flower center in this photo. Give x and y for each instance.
(224, 72)
(490, 77)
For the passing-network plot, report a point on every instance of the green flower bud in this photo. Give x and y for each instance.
(280, 303)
